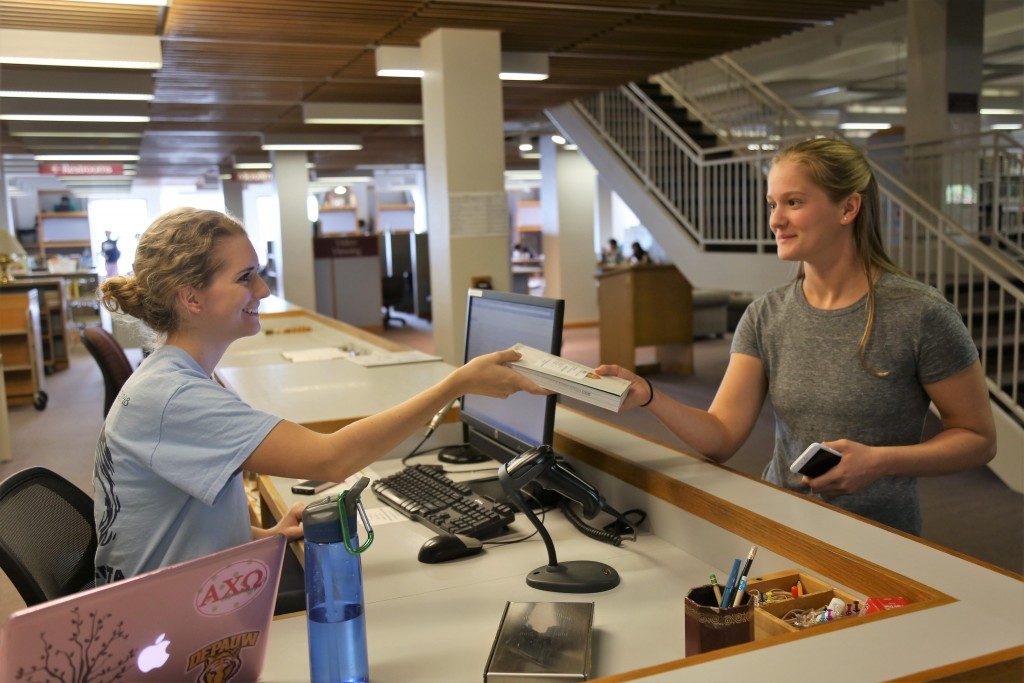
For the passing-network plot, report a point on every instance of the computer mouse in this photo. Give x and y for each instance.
(448, 547)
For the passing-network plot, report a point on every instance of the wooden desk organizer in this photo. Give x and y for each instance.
(768, 617)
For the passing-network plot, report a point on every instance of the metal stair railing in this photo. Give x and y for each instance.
(977, 179)
(720, 201)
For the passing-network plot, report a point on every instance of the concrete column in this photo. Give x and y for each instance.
(602, 215)
(6, 214)
(295, 243)
(945, 44)
(944, 61)
(567, 199)
(467, 212)
(232, 191)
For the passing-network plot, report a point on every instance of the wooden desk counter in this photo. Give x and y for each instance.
(435, 622)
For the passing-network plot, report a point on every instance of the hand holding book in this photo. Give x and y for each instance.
(570, 378)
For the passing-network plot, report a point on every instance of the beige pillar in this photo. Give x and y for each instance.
(295, 243)
(232, 191)
(567, 199)
(944, 61)
(467, 212)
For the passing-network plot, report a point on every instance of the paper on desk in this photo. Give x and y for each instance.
(378, 358)
(384, 515)
(306, 355)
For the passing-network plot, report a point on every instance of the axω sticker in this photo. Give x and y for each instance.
(221, 659)
(231, 588)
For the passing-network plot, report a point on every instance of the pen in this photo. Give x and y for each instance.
(746, 564)
(739, 592)
(714, 587)
(730, 585)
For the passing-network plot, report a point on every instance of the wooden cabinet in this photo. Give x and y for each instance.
(52, 309)
(63, 232)
(646, 306)
(21, 348)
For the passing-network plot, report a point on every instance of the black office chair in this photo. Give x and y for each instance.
(393, 290)
(111, 358)
(47, 537)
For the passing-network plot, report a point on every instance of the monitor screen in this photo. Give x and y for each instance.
(503, 428)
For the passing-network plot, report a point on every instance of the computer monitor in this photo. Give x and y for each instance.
(503, 428)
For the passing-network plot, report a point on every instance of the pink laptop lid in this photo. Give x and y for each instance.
(203, 620)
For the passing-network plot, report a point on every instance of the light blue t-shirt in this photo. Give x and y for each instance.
(167, 480)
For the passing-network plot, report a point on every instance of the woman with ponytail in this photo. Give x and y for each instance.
(851, 353)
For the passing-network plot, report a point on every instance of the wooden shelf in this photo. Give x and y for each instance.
(20, 345)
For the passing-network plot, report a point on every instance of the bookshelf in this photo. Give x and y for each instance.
(21, 349)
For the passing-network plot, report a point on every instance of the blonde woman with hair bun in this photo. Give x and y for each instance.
(168, 483)
(851, 353)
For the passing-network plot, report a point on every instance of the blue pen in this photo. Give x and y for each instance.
(730, 585)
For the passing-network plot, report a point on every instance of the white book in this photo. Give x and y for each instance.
(571, 379)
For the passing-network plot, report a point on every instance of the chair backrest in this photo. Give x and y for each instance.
(47, 535)
(393, 289)
(113, 362)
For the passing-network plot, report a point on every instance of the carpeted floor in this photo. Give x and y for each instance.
(972, 512)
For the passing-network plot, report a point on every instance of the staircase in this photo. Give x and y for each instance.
(704, 205)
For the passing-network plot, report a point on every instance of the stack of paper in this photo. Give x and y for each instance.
(376, 358)
(307, 355)
(570, 379)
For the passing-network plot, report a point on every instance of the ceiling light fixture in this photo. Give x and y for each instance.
(384, 114)
(404, 62)
(1002, 112)
(72, 134)
(43, 95)
(62, 48)
(865, 126)
(1005, 126)
(254, 166)
(558, 139)
(87, 157)
(303, 142)
(98, 118)
(147, 3)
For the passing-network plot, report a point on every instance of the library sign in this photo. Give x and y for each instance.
(81, 168)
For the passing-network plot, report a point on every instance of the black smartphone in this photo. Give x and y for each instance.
(815, 461)
(311, 486)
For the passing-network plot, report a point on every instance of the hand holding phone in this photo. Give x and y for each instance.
(311, 486)
(815, 461)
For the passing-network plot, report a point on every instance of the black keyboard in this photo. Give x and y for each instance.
(425, 494)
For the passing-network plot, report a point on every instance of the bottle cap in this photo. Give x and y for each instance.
(320, 521)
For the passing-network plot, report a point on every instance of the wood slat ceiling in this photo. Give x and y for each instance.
(233, 69)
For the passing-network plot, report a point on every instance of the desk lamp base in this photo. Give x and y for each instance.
(576, 576)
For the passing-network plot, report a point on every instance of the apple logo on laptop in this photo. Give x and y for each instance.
(154, 656)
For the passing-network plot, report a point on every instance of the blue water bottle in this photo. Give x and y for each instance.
(334, 588)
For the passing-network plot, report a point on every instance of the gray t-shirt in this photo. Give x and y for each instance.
(167, 481)
(821, 392)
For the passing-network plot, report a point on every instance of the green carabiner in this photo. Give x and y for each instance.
(349, 503)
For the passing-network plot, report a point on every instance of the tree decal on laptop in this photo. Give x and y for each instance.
(91, 654)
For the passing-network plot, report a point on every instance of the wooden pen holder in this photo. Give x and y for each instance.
(768, 618)
(709, 628)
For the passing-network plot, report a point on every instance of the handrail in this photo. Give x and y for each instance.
(766, 95)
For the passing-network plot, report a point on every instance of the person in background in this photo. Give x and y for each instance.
(612, 255)
(111, 253)
(851, 353)
(639, 257)
(169, 460)
(65, 204)
(521, 252)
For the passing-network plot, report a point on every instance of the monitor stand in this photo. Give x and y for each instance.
(461, 455)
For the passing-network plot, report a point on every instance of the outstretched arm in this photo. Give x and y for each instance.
(967, 440)
(716, 433)
(291, 450)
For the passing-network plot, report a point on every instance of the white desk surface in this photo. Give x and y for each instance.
(436, 622)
